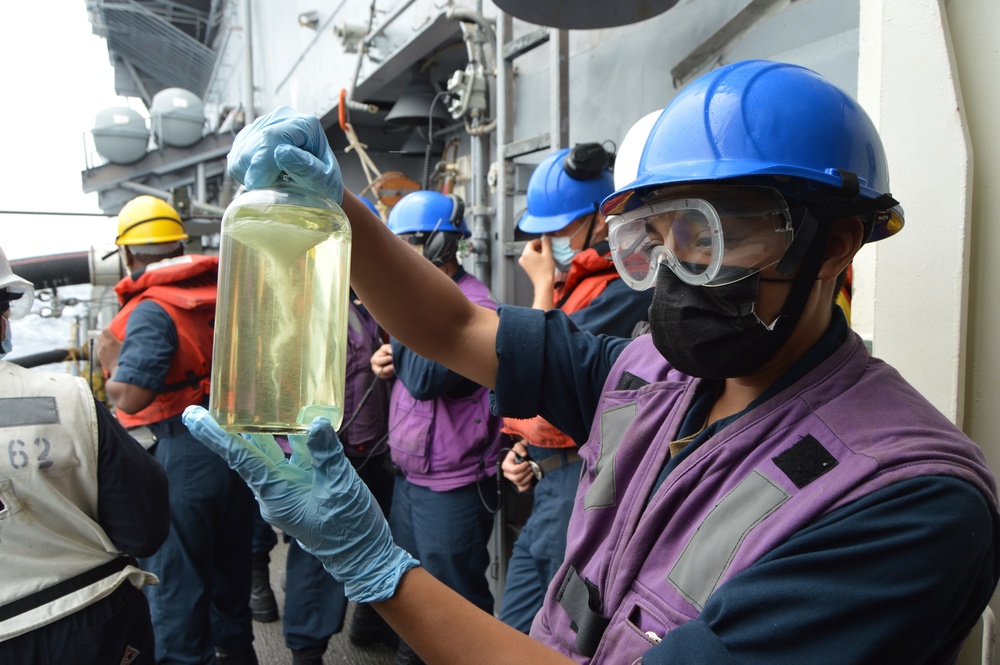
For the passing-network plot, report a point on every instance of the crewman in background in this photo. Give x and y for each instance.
(443, 439)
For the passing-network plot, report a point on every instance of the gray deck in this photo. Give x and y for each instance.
(270, 645)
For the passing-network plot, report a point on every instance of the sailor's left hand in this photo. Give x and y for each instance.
(289, 141)
(316, 497)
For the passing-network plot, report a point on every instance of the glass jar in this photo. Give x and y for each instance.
(281, 319)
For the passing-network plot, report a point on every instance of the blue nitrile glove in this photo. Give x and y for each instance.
(285, 140)
(326, 507)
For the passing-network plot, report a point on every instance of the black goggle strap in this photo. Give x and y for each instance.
(855, 208)
(805, 229)
(805, 232)
(802, 285)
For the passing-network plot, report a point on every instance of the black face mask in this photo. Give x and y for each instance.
(712, 332)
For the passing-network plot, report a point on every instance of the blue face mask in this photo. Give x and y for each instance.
(8, 339)
(562, 252)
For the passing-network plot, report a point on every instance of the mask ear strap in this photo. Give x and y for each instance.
(590, 230)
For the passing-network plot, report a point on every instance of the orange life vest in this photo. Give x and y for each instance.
(589, 274)
(185, 287)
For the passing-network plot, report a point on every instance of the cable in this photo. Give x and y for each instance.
(425, 180)
(55, 213)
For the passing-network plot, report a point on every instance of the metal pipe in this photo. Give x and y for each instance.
(482, 211)
(466, 15)
(51, 357)
(362, 51)
(54, 270)
(200, 187)
(249, 114)
(145, 189)
(402, 7)
(504, 111)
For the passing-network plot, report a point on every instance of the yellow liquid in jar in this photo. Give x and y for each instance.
(281, 319)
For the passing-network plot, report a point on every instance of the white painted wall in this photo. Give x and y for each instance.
(928, 75)
(975, 26)
(909, 84)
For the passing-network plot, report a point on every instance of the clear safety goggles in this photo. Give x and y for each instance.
(707, 235)
(17, 299)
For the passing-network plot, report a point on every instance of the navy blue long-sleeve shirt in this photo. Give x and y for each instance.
(819, 597)
(132, 501)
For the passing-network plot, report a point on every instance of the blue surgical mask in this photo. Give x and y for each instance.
(562, 252)
(8, 339)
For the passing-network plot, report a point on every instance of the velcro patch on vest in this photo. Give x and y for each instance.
(629, 381)
(806, 461)
(25, 411)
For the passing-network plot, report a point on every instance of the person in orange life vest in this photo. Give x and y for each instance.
(157, 354)
(571, 269)
(68, 465)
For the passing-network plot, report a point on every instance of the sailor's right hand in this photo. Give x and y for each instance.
(382, 362)
(518, 472)
(285, 140)
(536, 260)
(317, 498)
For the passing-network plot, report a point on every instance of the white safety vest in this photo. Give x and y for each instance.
(49, 535)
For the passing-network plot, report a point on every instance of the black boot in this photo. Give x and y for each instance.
(308, 656)
(263, 606)
(406, 656)
(369, 628)
(223, 657)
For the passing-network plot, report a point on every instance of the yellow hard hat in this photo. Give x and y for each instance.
(147, 220)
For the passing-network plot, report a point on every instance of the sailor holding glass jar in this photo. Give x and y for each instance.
(758, 488)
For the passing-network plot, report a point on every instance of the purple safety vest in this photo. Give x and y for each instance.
(366, 398)
(636, 570)
(446, 443)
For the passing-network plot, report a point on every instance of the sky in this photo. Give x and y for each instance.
(56, 77)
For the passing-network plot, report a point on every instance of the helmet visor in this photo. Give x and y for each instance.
(707, 235)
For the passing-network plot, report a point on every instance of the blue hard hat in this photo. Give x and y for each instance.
(427, 211)
(762, 118)
(555, 198)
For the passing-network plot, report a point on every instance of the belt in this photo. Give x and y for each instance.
(552, 462)
(168, 429)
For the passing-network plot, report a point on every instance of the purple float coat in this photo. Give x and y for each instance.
(366, 397)
(849, 427)
(446, 443)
